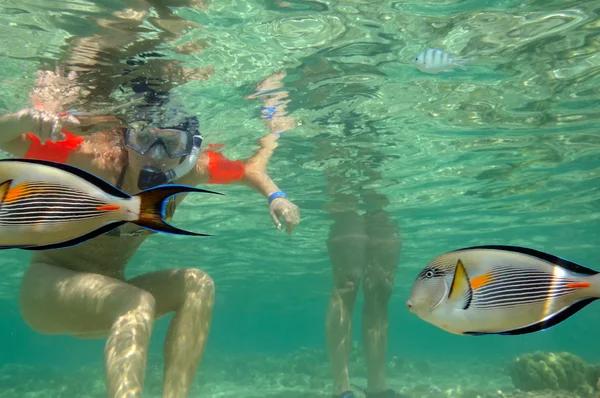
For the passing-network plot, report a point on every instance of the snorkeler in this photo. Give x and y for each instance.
(82, 291)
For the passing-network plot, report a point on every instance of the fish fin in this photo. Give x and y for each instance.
(152, 208)
(72, 242)
(13, 247)
(97, 181)
(542, 325)
(476, 333)
(459, 66)
(460, 290)
(561, 262)
(4, 190)
(552, 320)
(465, 59)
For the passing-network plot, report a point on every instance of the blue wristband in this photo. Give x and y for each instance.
(268, 112)
(276, 195)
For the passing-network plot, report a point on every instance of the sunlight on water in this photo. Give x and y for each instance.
(504, 152)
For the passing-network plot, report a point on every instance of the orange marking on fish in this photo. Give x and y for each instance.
(17, 192)
(480, 281)
(108, 208)
(578, 285)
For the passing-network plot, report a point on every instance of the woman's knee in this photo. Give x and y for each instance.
(347, 283)
(173, 288)
(378, 286)
(197, 280)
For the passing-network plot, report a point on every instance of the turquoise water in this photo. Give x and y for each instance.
(506, 152)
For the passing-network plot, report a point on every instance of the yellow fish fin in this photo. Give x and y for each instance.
(460, 290)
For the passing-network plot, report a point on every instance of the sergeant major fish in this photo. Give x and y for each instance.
(434, 60)
(47, 205)
(505, 290)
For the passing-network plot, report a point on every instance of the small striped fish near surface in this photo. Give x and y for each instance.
(505, 290)
(434, 60)
(47, 205)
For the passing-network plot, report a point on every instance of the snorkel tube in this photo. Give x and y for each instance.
(151, 177)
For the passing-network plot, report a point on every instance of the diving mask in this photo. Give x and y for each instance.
(142, 137)
(184, 140)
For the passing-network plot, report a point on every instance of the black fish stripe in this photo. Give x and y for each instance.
(514, 303)
(516, 294)
(58, 211)
(76, 200)
(50, 209)
(39, 222)
(518, 285)
(526, 274)
(519, 292)
(512, 270)
(521, 278)
(511, 286)
(45, 207)
(51, 194)
(49, 213)
(41, 205)
(518, 297)
(44, 219)
(37, 203)
(49, 187)
(37, 184)
(45, 191)
(54, 195)
(57, 189)
(504, 286)
(530, 293)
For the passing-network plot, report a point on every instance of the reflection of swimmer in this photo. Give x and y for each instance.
(129, 48)
(82, 290)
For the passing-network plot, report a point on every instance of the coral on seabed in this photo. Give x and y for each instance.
(555, 371)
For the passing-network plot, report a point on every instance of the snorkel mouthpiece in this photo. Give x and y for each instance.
(151, 177)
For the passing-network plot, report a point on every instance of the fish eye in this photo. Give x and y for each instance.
(429, 274)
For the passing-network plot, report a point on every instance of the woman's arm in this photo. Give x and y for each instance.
(45, 125)
(215, 168)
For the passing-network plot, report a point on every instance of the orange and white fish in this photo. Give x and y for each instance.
(47, 205)
(505, 290)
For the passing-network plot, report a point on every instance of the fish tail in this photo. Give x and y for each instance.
(152, 208)
(466, 59)
(458, 62)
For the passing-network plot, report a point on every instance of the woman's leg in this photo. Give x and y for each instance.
(56, 300)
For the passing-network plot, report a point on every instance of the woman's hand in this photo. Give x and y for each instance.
(45, 124)
(283, 208)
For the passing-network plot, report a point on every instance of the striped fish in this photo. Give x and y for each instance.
(434, 60)
(47, 205)
(501, 290)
